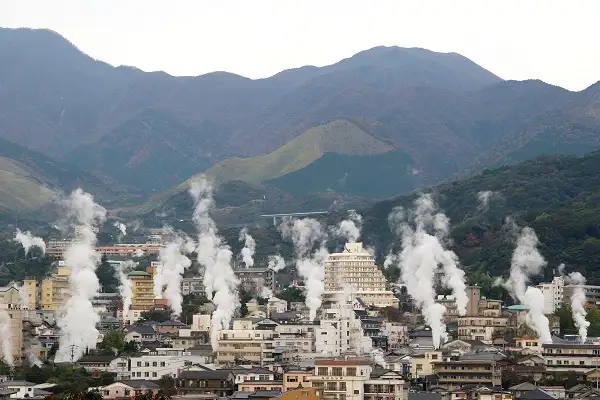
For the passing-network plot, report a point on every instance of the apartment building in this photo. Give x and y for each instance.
(56, 290)
(354, 379)
(297, 336)
(254, 279)
(203, 383)
(245, 344)
(12, 314)
(129, 249)
(30, 291)
(592, 293)
(422, 363)
(396, 333)
(454, 374)
(553, 294)
(449, 302)
(564, 356)
(294, 379)
(128, 389)
(355, 267)
(156, 364)
(192, 285)
(483, 318)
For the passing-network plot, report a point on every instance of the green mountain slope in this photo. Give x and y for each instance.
(30, 180)
(339, 136)
(376, 176)
(558, 196)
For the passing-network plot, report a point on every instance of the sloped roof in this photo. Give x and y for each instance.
(140, 384)
(218, 374)
(536, 394)
(15, 383)
(523, 386)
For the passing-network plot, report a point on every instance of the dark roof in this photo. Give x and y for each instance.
(140, 384)
(16, 383)
(264, 394)
(284, 316)
(523, 386)
(424, 396)
(378, 371)
(536, 394)
(218, 374)
(96, 359)
(171, 323)
(255, 370)
(143, 329)
(7, 392)
(41, 392)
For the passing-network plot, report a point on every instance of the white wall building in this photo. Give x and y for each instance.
(164, 361)
(553, 294)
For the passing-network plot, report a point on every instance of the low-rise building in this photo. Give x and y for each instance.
(455, 374)
(293, 379)
(245, 344)
(127, 389)
(253, 386)
(156, 364)
(563, 356)
(254, 279)
(192, 285)
(218, 382)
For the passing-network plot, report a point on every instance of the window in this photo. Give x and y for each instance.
(154, 364)
(356, 392)
(127, 391)
(434, 356)
(336, 371)
(146, 374)
(154, 375)
(342, 385)
(147, 364)
(323, 371)
(139, 364)
(331, 385)
(351, 371)
(162, 364)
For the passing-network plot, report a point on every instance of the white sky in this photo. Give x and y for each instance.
(556, 41)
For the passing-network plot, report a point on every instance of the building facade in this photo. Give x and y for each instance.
(553, 294)
(355, 268)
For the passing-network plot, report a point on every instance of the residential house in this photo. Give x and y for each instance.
(253, 386)
(422, 364)
(112, 364)
(251, 374)
(172, 327)
(126, 389)
(294, 379)
(19, 389)
(141, 334)
(163, 361)
(219, 382)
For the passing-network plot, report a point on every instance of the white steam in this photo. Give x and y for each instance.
(276, 263)
(121, 227)
(23, 295)
(6, 337)
(304, 233)
(378, 357)
(266, 293)
(484, 198)
(419, 259)
(125, 285)
(219, 280)
(526, 262)
(170, 272)
(249, 248)
(578, 304)
(360, 343)
(78, 324)
(28, 241)
(349, 229)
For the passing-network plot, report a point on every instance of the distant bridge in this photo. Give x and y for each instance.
(296, 214)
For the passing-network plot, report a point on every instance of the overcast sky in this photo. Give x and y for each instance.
(556, 41)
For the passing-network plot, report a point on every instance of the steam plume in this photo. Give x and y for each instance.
(378, 357)
(219, 280)
(28, 241)
(125, 285)
(527, 262)
(266, 293)
(421, 254)
(484, 198)
(360, 343)
(276, 263)
(170, 273)
(121, 227)
(578, 304)
(350, 227)
(249, 248)
(23, 295)
(304, 233)
(6, 337)
(78, 324)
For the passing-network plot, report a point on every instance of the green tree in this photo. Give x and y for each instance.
(106, 276)
(112, 343)
(156, 315)
(291, 294)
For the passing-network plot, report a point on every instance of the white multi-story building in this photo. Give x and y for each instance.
(156, 364)
(340, 331)
(246, 343)
(355, 268)
(553, 294)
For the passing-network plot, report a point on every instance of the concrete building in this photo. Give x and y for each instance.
(156, 364)
(11, 312)
(143, 290)
(564, 356)
(294, 379)
(192, 285)
(30, 290)
(340, 331)
(592, 293)
(454, 374)
(246, 343)
(422, 363)
(254, 279)
(553, 294)
(356, 379)
(56, 290)
(355, 267)
(483, 318)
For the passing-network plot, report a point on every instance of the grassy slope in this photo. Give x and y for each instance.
(19, 188)
(339, 136)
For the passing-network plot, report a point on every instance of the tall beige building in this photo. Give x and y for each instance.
(10, 305)
(355, 267)
(55, 290)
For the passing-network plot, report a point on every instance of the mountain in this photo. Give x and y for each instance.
(558, 196)
(30, 180)
(438, 116)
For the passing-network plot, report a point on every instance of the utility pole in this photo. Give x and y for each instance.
(72, 348)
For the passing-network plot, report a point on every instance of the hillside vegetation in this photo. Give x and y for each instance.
(339, 136)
